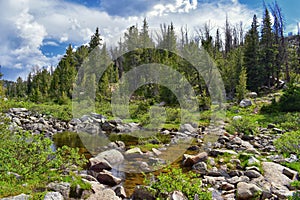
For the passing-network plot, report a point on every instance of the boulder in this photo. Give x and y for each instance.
(245, 103)
(106, 194)
(177, 195)
(252, 94)
(190, 160)
(237, 117)
(252, 174)
(142, 193)
(53, 195)
(107, 178)
(200, 167)
(18, 110)
(18, 197)
(216, 152)
(187, 127)
(112, 156)
(61, 187)
(99, 165)
(247, 191)
(120, 192)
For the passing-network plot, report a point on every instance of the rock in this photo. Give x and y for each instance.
(112, 156)
(107, 126)
(143, 193)
(247, 191)
(75, 121)
(135, 150)
(17, 121)
(245, 103)
(271, 126)
(99, 165)
(253, 161)
(120, 192)
(18, 110)
(107, 178)
(62, 187)
(252, 94)
(273, 172)
(213, 180)
(216, 152)
(53, 195)
(277, 130)
(156, 152)
(226, 186)
(106, 194)
(235, 173)
(187, 127)
(200, 167)
(190, 160)
(292, 158)
(193, 148)
(234, 180)
(292, 174)
(252, 174)
(88, 177)
(18, 197)
(238, 117)
(177, 195)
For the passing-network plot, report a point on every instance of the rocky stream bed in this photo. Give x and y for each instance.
(231, 166)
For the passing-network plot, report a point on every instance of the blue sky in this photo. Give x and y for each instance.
(36, 32)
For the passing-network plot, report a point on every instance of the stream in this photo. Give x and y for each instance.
(130, 180)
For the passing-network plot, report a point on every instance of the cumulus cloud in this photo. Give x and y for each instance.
(27, 25)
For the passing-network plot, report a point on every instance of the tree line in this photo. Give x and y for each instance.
(253, 60)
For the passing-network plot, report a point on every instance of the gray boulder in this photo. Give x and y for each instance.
(19, 197)
(247, 191)
(112, 156)
(245, 103)
(53, 195)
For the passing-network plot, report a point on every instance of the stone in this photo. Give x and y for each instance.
(142, 193)
(61, 187)
(292, 174)
(253, 161)
(107, 178)
(99, 165)
(271, 126)
(216, 152)
(200, 167)
(177, 195)
(245, 103)
(213, 180)
(187, 127)
(238, 117)
(277, 130)
(120, 192)
(18, 197)
(18, 110)
(156, 152)
(273, 172)
(234, 180)
(226, 186)
(53, 195)
(252, 94)
(112, 156)
(247, 191)
(135, 150)
(107, 126)
(252, 174)
(190, 160)
(106, 194)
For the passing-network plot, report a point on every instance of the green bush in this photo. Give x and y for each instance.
(243, 125)
(33, 160)
(174, 179)
(289, 143)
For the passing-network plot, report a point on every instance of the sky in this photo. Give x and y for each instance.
(37, 32)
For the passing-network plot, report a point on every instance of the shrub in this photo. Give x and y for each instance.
(243, 125)
(33, 160)
(174, 179)
(289, 143)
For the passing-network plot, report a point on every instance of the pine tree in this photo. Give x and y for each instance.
(95, 40)
(251, 57)
(241, 88)
(267, 49)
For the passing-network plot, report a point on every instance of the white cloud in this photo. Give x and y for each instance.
(26, 24)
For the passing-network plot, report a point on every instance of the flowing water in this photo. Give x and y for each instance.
(130, 180)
